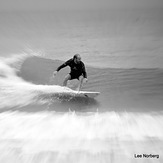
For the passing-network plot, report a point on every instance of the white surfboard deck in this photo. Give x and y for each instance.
(86, 94)
(65, 91)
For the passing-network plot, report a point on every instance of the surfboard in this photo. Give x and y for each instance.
(68, 92)
(88, 94)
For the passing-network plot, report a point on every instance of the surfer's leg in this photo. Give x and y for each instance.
(67, 77)
(80, 82)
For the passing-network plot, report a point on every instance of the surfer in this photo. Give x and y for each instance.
(77, 70)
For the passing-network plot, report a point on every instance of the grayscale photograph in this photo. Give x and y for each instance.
(81, 81)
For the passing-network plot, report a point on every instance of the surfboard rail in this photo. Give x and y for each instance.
(88, 94)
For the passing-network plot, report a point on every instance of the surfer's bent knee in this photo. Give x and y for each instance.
(81, 77)
(68, 77)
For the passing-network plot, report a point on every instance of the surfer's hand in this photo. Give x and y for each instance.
(86, 80)
(54, 73)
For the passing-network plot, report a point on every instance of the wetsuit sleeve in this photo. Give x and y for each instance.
(64, 65)
(84, 71)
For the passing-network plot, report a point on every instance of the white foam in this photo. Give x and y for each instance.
(17, 92)
(43, 137)
(53, 126)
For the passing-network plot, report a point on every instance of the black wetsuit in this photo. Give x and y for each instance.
(76, 69)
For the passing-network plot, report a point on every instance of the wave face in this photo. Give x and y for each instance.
(121, 89)
(29, 78)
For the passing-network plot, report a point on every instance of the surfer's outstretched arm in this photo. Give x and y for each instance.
(62, 66)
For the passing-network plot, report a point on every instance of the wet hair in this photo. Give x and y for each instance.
(75, 56)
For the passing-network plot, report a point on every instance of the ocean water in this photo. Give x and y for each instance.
(123, 57)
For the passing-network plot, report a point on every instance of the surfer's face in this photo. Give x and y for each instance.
(77, 59)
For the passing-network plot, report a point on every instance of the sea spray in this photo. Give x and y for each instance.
(15, 91)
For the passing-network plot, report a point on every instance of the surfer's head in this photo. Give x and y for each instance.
(77, 58)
